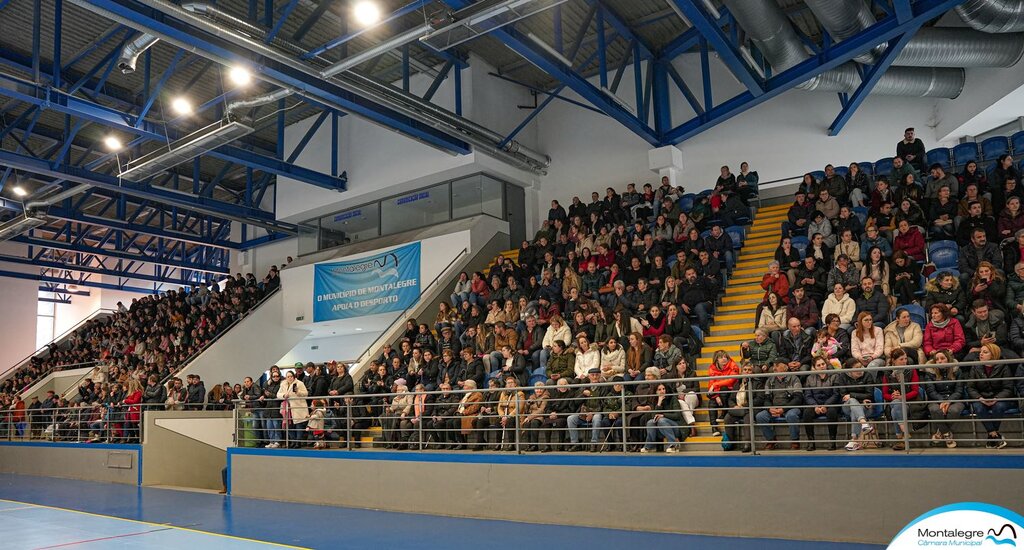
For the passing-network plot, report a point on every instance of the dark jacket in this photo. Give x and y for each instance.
(343, 385)
(877, 305)
(971, 256)
(820, 392)
(984, 382)
(154, 395)
(941, 387)
(861, 389)
(196, 396)
(796, 348)
(784, 391)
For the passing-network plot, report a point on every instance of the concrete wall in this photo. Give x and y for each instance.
(827, 498)
(188, 455)
(19, 299)
(91, 462)
(249, 347)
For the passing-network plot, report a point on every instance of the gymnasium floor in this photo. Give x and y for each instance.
(39, 512)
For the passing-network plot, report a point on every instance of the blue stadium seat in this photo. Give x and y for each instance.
(705, 193)
(868, 168)
(737, 234)
(862, 214)
(939, 155)
(842, 170)
(992, 147)
(705, 233)
(945, 257)
(1017, 142)
(965, 152)
(801, 244)
(686, 202)
(935, 245)
(883, 167)
(818, 174)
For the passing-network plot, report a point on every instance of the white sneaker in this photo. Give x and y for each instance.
(672, 449)
(716, 433)
(866, 428)
(950, 442)
(646, 450)
(936, 439)
(853, 446)
(1000, 442)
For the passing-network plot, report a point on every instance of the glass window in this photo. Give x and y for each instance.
(466, 197)
(492, 197)
(44, 321)
(353, 225)
(417, 209)
(309, 237)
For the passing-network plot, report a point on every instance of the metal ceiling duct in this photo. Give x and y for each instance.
(959, 47)
(131, 52)
(213, 21)
(844, 19)
(24, 222)
(993, 16)
(770, 29)
(185, 149)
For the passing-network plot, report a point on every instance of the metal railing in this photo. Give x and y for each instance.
(80, 423)
(628, 416)
(381, 339)
(57, 368)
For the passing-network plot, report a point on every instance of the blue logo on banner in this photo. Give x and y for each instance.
(413, 198)
(389, 281)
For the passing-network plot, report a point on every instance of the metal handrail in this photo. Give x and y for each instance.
(58, 368)
(749, 420)
(7, 373)
(372, 348)
(219, 335)
(42, 424)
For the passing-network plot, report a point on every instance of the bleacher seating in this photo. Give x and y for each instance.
(940, 155)
(993, 147)
(965, 152)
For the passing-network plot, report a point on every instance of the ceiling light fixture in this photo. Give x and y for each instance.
(19, 190)
(112, 143)
(240, 76)
(181, 106)
(366, 13)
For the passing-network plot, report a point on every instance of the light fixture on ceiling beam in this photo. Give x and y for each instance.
(185, 149)
(483, 17)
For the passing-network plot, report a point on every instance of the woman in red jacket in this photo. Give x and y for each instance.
(132, 398)
(943, 332)
(909, 240)
(719, 389)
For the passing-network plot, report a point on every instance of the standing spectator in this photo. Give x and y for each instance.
(911, 149)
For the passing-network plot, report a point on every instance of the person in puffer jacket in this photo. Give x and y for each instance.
(945, 393)
(945, 289)
(943, 332)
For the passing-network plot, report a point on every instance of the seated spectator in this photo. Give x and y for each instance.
(906, 334)
(720, 246)
(1001, 194)
(698, 295)
(990, 392)
(972, 176)
(945, 395)
(976, 220)
(783, 396)
(789, 259)
(772, 316)
(595, 403)
(821, 399)
(939, 179)
(848, 220)
(844, 272)
(942, 212)
(795, 346)
(797, 216)
(978, 250)
(985, 326)
(833, 328)
(1013, 253)
(884, 220)
(820, 251)
(872, 301)
(664, 421)
(909, 210)
(840, 304)
(867, 343)
(943, 332)
(909, 240)
(856, 392)
(748, 396)
(613, 359)
(827, 203)
(1015, 289)
(719, 388)
(902, 391)
(1004, 169)
(945, 288)
(774, 281)
(1011, 219)
(904, 278)
(988, 285)
(803, 309)
(857, 183)
(873, 240)
(760, 352)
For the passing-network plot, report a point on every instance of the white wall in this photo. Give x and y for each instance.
(19, 299)
(991, 98)
(331, 348)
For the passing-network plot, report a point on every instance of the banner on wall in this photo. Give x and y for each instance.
(389, 281)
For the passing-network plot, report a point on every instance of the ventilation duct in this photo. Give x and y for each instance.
(770, 29)
(131, 52)
(233, 107)
(958, 47)
(844, 19)
(423, 111)
(23, 223)
(993, 16)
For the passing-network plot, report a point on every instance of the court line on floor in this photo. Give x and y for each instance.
(112, 537)
(162, 525)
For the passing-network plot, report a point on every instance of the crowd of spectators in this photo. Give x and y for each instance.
(150, 338)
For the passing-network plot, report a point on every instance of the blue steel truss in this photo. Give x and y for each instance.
(177, 227)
